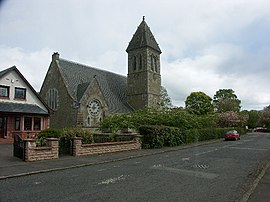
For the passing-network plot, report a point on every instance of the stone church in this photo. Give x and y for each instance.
(81, 96)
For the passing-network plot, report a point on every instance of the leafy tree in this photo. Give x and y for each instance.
(225, 100)
(199, 103)
(229, 119)
(254, 118)
(265, 117)
(244, 116)
(165, 100)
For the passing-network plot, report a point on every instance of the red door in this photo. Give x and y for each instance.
(3, 126)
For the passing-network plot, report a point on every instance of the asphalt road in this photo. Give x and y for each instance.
(222, 171)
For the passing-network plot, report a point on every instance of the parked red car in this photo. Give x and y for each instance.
(232, 135)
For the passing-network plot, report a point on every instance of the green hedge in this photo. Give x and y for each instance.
(86, 135)
(163, 136)
(47, 133)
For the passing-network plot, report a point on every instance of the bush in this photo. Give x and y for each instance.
(47, 133)
(86, 135)
(174, 118)
(161, 136)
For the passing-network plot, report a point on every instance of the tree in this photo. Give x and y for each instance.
(265, 117)
(229, 119)
(199, 103)
(165, 100)
(225, 100)
(254, 118)
(244, 116)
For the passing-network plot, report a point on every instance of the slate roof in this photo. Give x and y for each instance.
(21, 108)
(113, 86)
(143, 37)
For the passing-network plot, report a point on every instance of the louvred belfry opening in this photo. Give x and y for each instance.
(144, 80)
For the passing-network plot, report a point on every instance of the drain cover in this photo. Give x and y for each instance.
(200, 166)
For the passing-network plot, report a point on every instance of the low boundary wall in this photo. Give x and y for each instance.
(34, 153)
(51, 151)
(79, 149)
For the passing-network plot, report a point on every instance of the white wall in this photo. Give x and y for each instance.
(13, 80)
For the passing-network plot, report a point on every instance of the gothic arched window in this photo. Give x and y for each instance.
(52, 98)
(134, 63)
(155, 64)
(152, 62)
(140, 63)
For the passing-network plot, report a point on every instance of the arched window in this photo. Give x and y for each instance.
(52, 98)
(141, 63)
(155, 64)
(152, 62)
(134, 63)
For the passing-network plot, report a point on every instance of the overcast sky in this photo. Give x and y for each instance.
(206, 45)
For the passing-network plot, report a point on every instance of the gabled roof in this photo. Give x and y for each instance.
(78, 77)
(14, 68)
(2, 73)
(143, 37)
(9, 107)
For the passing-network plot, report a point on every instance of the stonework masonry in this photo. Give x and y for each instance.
(80, 149)
(34, 153)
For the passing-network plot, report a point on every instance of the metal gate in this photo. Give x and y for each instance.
(65, 146)
(18, 147)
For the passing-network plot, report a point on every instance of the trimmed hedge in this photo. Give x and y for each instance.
(87, 136)
(163, 136)
(160, 136)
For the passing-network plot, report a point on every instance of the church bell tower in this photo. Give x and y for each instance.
(144, 80)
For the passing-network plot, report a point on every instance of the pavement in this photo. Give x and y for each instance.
(11, 167)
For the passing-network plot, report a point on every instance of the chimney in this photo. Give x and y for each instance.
(55, 56)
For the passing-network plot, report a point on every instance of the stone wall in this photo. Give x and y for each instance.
(80, 149)
(34, 153)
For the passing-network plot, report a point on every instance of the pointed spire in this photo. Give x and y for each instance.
(143, 37)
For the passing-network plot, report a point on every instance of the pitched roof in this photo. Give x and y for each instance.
(113, 86)
(14, 68)
(2, 73)
(21, 108)
(143, 37)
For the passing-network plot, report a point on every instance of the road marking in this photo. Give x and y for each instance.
(248, 148)
(37, 183)
(209, 151)
(187, 172)
(113, 180)
(247, 140)
(101, 170)
(186, 159)
(157, 166)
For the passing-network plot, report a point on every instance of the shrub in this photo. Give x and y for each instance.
(173, 118)
(47, 133)
(160, 136)
(86, 135)
(163, 136)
